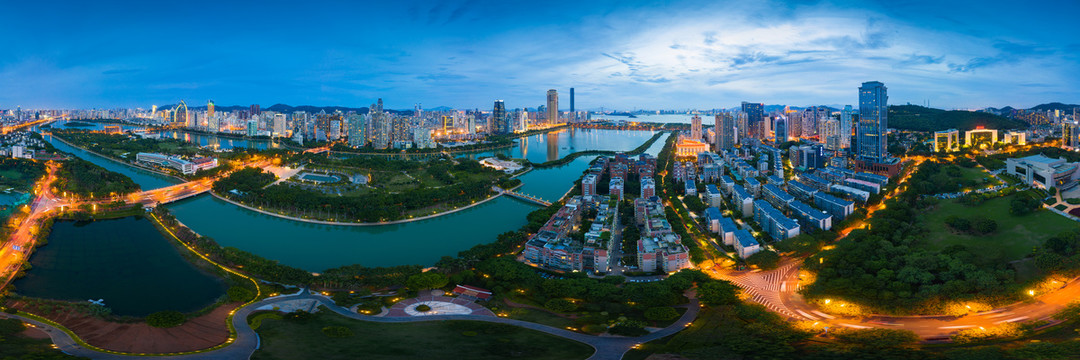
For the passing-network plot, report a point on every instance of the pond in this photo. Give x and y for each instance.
(125, 262)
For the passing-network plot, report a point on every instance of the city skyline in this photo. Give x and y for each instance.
(616, 56)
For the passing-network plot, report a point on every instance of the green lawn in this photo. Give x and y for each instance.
(540, 317)
(1015, 237)
(975, 173)
(304, 339)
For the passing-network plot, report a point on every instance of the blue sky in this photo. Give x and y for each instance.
(465, 54)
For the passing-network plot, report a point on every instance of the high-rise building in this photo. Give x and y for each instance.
(252, 127)
(831, 134)
(873, 122)
(755, 115)
(552, 107)
(279, 125)
(255, 110)
(502, 123)
(725, 132)
(447, 123)
(357, 125)
(573, 115)
(780, 135)
(695, 127)
(845, 127)
(210, 109)
(180, 114)
(1069, 134)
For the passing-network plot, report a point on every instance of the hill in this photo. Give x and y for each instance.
(1055, 106)
(918, 118)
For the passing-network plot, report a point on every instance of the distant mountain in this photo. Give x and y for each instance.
(440, 108)
(282, 108)
(1055, 106)
(918, 118)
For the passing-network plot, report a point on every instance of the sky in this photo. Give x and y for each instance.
(621, 55)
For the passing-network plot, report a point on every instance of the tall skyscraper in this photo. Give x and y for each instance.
(210, 109)
(552, 107)
(831, 134)
(873, 122)
(378, 106)
(447, 123)
(845, 127)
(573, 114)
(695, 127)
(255, 110)
(501, 121)
(755, 114)
(725, 132)
(780, 135)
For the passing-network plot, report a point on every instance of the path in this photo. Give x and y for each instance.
(247, 341)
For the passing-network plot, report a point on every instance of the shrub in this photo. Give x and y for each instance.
(661, 313)
(594, 328)
(165, 319)
(423, 308)
(765, 259)
(469, 333)
(239, 294)
(337, 331)
(560, 305)
(629, 328)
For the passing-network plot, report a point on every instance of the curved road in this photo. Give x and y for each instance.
(247, 341)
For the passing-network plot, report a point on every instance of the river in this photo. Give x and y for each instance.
(316, 247)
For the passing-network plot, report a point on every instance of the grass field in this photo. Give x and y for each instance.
(1015, 237)
(304, 339)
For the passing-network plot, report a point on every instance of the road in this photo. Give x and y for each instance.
(247, 341)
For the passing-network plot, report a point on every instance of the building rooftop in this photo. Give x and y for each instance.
(745, 239)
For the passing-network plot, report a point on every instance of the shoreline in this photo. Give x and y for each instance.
(182, 180)
(338, 223)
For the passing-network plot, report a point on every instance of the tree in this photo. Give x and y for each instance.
(981, 225)
(560, 305)
(765, 259)
(239, 294)
(427, 280)
(661, 313)
(165, 319)
(717, 292)
(876, 338)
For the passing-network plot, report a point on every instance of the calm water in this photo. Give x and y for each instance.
(319, 247)
(665, 118)
(219, 142)
(126, 262)
(557, 144)
(147, 180)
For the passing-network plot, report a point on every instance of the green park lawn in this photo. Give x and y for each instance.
(304, 339)
(1016, 236)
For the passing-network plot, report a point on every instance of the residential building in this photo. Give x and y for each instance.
(773, 222)
(588, 185)
(809, 217)
(745, 244)
(837, 207)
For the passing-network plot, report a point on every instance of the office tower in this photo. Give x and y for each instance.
(357, 125)
(845, 127)
(180, 114)
(213, 123)
(552, 107)
(501, 122)
(1069, 134)
(153, 111)
(573, 115)
(725, 132)
(252, 127)
(471, 123)
(873, 122)
(755, 114)
(279, 125)
(695, 128)
(210, 109)
(780, 136)
(741, 128)
(418, 111)
(447, 123)
(255, 111)
(523, 120)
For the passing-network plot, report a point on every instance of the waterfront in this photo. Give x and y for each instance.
(316, 247)
(126, 262)
(557, 144)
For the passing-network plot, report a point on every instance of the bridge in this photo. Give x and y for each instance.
(521, 196)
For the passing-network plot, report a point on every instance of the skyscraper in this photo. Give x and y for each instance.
(501, 121)
(725, 132)
(279, 125)
(755, 114)
(873, 122)
(573, 115)
(845, 127)
(695, 127)
(255, 110)
(357, 125)
(552, 107)
(780, 135)
(210, 109)
(447, 123)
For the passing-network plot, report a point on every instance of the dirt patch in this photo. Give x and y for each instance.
(199, 333)
(34, 333)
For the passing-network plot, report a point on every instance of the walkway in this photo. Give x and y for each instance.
(518, 195)
(247, 341)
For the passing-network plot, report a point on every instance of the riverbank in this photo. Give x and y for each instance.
(110, 158)
(338, 223)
